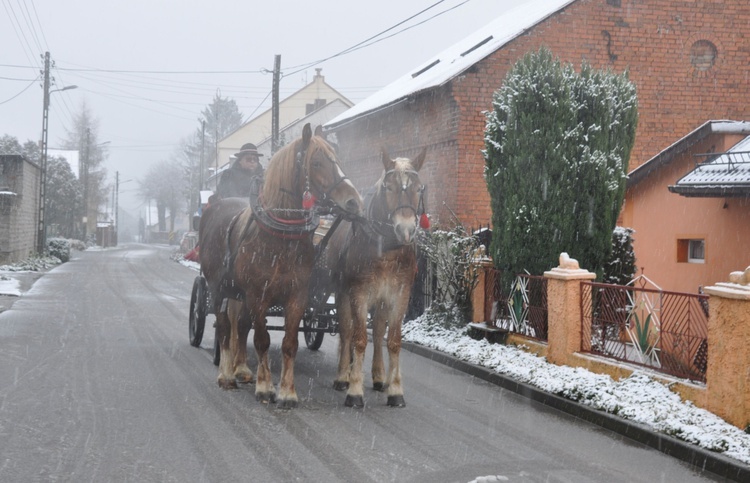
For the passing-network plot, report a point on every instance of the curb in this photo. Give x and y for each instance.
(696, 456)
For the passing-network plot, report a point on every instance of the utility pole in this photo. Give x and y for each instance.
(42, 229)
(117, 196)
(203, 150)
(275, 105)
(86, 184)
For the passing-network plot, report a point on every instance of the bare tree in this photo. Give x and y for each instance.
(84, 137)
(165, 183)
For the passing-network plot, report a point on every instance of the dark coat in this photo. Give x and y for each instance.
(237, 182)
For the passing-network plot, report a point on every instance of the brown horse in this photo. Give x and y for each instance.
(374, 263)
(270, 255)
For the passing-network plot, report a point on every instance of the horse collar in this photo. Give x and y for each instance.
(285, 228)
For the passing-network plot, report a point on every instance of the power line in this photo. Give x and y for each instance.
(41, 29)
(22, 91)
(160, 87)
(161, 81)
(180, 72)
(374, 39)
(250, 116)
(27, 50)
(17, 79)
(27, 18)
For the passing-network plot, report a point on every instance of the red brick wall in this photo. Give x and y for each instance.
(651, 39)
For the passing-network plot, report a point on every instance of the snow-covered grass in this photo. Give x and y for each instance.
(10, 285)
(35, 264)
(638, 398)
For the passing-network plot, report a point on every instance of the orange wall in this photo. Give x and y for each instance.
(660, 218)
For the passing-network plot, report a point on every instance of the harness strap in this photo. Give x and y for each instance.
(230, 257)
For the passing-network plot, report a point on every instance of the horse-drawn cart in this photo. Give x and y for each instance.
(318, 319)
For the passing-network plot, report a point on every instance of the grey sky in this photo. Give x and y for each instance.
(144, 115)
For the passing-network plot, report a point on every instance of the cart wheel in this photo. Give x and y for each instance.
(313, 339)
(197, 311)
(217, 350)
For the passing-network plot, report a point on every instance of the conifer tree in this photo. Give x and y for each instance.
(557, 145)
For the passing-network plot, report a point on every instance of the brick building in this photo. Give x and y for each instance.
(688, 59)
(19, 207)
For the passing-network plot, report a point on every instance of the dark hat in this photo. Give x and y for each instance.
(248, 148)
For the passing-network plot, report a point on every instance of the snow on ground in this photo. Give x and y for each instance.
(9, 286)
(638, 398)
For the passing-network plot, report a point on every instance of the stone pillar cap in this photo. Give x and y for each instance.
(569, 270)
(738, 286)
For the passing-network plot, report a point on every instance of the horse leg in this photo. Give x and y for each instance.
(344, 316)
(379, 323)
(237, 311)
(224, 334)
(355, 394)
(396, 317)
(292, 315)
(264, 390)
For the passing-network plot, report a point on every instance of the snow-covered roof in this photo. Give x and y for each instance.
(457, 58)
(681, 145)
(727, 174)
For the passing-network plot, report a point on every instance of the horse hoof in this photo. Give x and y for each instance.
(227, 383)
(340, 385)
(354, 401)
(265, 397)
(396, 401)
(287, 404)
(379, 386)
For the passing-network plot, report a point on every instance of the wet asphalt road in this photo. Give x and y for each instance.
(98, 383)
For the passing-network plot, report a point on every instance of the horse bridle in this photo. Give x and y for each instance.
(384, 229)
(400, 206)
(301, 166)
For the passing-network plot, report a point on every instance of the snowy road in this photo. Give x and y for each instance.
(98, 383)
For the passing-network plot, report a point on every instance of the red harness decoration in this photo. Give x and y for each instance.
(286, 229)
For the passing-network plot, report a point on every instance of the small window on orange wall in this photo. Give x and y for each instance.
(691, 250)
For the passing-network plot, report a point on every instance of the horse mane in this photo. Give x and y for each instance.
(284, 180)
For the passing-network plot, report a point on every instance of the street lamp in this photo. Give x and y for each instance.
(42, 229)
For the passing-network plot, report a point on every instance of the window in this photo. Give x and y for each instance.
(696, 251)
(691, 250)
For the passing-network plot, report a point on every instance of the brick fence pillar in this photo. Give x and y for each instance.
(564, 309)
(728, 371)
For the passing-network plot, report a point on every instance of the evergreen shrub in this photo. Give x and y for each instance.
(557, 145)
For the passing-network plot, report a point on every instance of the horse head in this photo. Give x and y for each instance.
(307, 172)
(325, 180)
(400, 191)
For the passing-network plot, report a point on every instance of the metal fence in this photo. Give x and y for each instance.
(520, 306)
(662, 330)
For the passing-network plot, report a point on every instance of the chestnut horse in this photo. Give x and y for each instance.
(374, 265)
(269, 257)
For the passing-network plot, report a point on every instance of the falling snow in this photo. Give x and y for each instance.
(639, 397)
